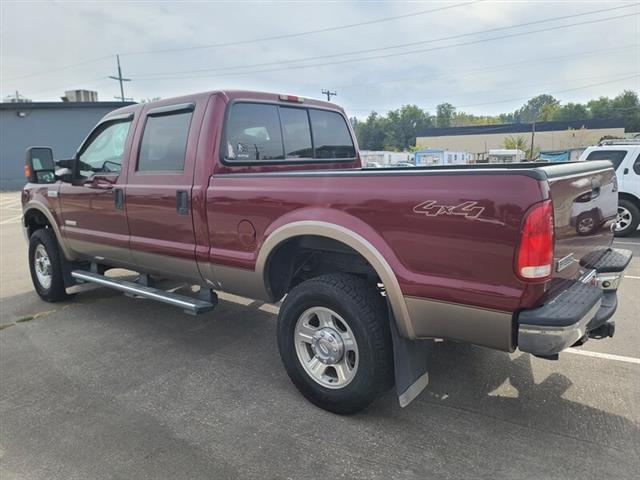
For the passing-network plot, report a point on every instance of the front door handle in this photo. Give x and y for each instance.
(182, 202)
(100, 183)
(118, 198)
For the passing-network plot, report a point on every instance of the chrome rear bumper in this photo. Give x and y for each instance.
(581, 311)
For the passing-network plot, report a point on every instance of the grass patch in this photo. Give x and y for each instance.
(6, 325)
(26, 318)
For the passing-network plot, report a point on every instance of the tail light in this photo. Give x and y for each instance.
(27, 171)
(535, 253)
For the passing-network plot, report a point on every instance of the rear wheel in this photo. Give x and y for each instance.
(628, 218)
(45, 266)
(335, 342)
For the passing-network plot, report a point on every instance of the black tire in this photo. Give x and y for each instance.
(365, 312)
(635, 218)
(56, 291)
(583, 217)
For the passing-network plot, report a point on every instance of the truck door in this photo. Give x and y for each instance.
(159, 188)
(94, 221)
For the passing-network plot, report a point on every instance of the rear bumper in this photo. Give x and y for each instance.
(576, 313)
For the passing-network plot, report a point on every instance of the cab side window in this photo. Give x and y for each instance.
(615, 156)
(636, 165)
(164, 142)
(105, 149)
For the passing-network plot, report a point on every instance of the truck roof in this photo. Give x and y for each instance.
(231, 95)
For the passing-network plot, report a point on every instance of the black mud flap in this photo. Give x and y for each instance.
(410, 364)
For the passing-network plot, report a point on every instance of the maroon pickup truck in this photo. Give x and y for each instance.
(263, 195)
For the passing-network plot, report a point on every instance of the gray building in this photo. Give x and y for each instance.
(59, 125)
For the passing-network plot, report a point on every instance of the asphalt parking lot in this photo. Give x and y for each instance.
(107, 386)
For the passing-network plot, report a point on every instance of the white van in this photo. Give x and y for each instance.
(625, 156)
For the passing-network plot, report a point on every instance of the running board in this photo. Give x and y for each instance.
(190, 305)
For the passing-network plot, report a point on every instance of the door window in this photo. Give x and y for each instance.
(104, 151)
(636, 165)
(164, 143)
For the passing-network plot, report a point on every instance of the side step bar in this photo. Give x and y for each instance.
(190, 305)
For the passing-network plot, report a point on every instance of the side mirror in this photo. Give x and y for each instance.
(40, 167)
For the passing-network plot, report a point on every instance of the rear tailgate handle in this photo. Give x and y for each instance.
(182, 202)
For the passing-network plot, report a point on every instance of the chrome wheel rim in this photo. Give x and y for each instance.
(42, 265)
(624, 219)
(326, 347)
(585, 225)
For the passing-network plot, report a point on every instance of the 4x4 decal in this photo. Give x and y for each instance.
(431, 208)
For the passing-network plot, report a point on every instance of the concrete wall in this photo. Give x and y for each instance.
(61, 126)
(552, 140)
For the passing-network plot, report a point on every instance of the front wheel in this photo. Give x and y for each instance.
(628, 218)
(45, 266)
(335, 342)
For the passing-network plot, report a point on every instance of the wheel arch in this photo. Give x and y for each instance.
(346, 236)
(630, 197)
(37, 216)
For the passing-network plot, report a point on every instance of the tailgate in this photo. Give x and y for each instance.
(585, 200)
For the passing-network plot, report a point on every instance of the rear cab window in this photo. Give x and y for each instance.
(331, 135)
(268, 133)
(615, 156)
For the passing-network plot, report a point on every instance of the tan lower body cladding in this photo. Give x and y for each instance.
(434, 319)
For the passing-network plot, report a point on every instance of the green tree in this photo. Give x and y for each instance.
(516, 143)
(404, 125)
(547, 112)
(444, 115)
(530, 111)
(627, 107)
(371, 133)
(600, 107)
(570, 111)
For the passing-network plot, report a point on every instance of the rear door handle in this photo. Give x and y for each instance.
(182, 202)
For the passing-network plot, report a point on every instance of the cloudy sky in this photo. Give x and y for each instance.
(485, 57)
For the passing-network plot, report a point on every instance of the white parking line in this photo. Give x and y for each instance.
(10, 220)
(627, 243)
(605, 356)
(631, 276)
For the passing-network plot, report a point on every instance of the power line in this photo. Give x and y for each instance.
(496, 102)
(619, 79)
(404, 45)
(491, 67)
(66, 86)
(244, 42)
(397, 54)
(58, 69)
(300, 34)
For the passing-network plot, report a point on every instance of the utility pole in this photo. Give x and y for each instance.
(120, 79)
(533, 135)
(329, 94)
(17, 98)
